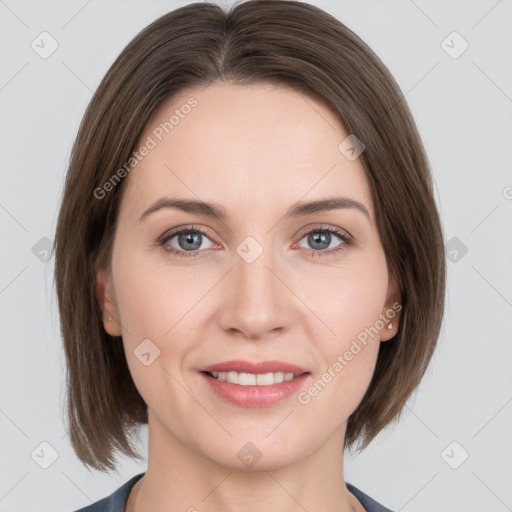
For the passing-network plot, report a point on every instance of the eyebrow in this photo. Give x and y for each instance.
(217, 211)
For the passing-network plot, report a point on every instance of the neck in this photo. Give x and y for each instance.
(179, 478)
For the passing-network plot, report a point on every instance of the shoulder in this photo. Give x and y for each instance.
(368, 503)
(116, 502)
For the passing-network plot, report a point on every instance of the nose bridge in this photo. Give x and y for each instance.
(255, 299)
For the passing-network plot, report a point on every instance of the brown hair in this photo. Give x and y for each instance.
(288, 43)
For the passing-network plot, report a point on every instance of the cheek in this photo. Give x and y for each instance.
(162, 303)
(151, 296)
(347, 357)
(345, 330)
(152, 304)
(345, 302)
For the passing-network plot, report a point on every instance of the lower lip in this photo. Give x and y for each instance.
(255, 396)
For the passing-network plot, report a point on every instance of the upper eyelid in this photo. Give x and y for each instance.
(176, 231)
(325, 227)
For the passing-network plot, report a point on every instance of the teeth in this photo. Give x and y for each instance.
(251, 379)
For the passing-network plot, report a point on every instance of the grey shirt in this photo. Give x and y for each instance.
(116, 502)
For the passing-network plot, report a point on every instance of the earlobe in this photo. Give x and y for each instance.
(105, 297)
(391, 313)
(390, 329)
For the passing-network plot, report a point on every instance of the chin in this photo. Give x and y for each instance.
(260, 452)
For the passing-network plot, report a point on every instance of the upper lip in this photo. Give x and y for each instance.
(256, 368)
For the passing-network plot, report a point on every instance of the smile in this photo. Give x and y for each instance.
(253, 379)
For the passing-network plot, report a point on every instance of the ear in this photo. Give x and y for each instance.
(391, 312)
(105, 296)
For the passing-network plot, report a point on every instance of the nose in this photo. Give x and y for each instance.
(256, 300)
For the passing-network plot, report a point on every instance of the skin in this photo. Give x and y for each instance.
(256, 150)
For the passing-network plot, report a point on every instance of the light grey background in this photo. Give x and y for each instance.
(463, 109)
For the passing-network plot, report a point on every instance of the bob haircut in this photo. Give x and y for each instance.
(282, 42)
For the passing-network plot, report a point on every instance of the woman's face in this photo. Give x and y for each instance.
(258, 285)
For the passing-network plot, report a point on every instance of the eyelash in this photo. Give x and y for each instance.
(345, 237)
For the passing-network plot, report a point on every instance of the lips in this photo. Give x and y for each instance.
(255, 368)
(255, 396)
(261, 384)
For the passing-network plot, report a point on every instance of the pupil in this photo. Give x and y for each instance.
(190, 238)
(320, 238)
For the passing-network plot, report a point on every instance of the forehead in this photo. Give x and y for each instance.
(248, 147)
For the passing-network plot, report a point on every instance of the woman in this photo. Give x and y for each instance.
(249, 259)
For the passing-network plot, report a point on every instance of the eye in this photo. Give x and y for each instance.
(321, 239)
(188, 241)
(185, 242)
